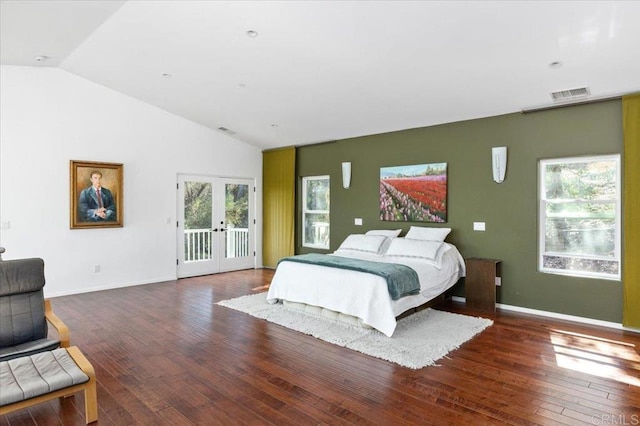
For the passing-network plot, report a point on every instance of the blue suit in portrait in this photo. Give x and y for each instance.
(89, 206)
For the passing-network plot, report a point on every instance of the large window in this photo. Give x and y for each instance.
(315, 211)
(580, 216)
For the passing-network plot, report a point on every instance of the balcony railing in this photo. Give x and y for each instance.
(198, 244)
(237, 243)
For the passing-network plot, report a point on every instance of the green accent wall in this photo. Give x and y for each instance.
(509, 209)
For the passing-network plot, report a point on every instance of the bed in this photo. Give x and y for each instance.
(363, 298)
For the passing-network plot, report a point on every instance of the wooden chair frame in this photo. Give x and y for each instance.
(61, 328)
(89, 389)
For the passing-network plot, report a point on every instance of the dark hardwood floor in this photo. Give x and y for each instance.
(166, 354)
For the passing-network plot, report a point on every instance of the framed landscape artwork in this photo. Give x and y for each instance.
(96, 199)
(416, 193)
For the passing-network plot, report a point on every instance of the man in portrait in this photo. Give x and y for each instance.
(97, 203)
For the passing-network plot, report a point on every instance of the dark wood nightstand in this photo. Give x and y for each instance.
(480, 283)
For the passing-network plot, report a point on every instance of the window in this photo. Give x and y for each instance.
(315, 212)
(580, 216)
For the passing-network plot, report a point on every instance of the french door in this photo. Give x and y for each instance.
(216, 225)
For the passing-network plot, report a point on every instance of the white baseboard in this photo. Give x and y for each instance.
(108, 287)
(556, 315)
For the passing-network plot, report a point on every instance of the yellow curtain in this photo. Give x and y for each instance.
(278, 203)
(631, 197)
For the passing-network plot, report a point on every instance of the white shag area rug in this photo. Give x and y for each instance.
(418, 341)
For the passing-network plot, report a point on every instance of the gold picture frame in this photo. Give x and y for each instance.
(90, 208)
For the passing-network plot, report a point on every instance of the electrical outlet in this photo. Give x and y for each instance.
(478, 226)
(96, 268)
(357, 221)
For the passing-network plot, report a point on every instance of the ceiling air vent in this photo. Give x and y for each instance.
(227, 131)
(570, 94)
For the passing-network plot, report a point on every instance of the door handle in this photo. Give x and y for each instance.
(215, 229)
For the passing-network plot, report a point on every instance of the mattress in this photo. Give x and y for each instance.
(362, 295)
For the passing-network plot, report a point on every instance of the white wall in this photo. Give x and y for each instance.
(49, 117)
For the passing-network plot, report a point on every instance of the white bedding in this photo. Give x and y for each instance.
(360, 294)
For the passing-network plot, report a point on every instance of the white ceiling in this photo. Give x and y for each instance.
(326, 70)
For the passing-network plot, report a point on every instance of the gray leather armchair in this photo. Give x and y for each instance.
(24, 313)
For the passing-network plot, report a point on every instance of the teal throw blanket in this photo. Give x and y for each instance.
(401, 279)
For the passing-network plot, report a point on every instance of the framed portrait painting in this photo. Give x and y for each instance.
(415, 193)
(96, 195)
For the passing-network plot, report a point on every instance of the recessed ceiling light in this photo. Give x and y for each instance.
(555, 64)
(166, 75)
(252, 33)
(41, 58)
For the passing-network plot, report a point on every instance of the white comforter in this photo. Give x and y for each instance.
(361, 294)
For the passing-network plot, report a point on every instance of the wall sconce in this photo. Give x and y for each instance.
(346, 175)
(499, 163)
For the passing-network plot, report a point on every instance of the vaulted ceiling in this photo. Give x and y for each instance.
(279, 73)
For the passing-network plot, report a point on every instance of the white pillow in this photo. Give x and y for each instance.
(371, 244)
(390, 233)
(431, 251)
(430, 234)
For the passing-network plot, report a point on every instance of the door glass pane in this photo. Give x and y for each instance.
(236, 206)
(197, 221)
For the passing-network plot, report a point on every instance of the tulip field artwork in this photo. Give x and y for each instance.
(416, 193)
